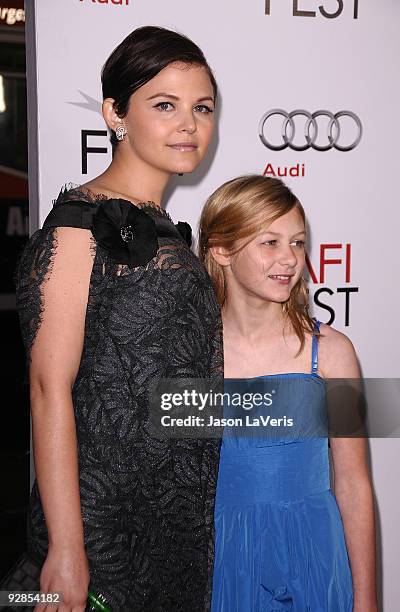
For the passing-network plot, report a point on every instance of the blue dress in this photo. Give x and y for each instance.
(280, 542)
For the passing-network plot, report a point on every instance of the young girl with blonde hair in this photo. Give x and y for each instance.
(284, 539)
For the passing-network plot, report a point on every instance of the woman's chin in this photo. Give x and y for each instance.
(186, 168)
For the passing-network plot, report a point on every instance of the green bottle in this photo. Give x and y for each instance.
(98, 602)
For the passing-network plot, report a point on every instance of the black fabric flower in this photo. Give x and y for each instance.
(185, 231)
(126, 231)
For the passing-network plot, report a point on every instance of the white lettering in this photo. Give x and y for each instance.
(12, 15)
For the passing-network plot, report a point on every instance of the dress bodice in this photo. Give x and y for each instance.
(275, 410)
(276, 434)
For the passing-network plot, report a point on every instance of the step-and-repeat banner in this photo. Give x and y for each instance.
(310, 93)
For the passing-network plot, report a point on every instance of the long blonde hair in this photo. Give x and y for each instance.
(232, 216)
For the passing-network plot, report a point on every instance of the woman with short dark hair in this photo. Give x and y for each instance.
(111, 299)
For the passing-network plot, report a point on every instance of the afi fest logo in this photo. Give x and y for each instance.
(88, 136)
(338, 256)
(119, 2)
(330, 9)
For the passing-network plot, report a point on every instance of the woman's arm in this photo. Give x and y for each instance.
(352, 484)
(55, 359)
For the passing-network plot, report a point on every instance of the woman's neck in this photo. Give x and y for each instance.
(131, 178)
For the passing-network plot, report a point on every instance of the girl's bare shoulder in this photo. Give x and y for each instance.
(337, 355)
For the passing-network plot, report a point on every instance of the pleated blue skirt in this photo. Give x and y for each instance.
(280, 542)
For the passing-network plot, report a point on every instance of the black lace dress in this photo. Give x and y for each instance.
(147, 503)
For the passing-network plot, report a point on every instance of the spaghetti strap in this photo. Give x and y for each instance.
(314, 353)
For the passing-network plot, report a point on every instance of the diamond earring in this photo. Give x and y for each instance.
(120, 132)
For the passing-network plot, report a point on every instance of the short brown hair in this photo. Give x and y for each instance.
(140, 57)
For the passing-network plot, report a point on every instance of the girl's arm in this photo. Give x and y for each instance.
(55, 359)
(352, 483)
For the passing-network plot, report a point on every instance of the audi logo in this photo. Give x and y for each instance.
(335, 137)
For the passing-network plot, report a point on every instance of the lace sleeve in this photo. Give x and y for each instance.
(33, 269)
(32, 272)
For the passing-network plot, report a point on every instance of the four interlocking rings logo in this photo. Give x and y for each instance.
(334, 130)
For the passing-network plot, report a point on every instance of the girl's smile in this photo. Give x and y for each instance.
(283, 279)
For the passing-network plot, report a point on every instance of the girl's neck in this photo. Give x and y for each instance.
(131, 178)
(253, 319)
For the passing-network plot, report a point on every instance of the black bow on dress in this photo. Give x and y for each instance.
(126, 231)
